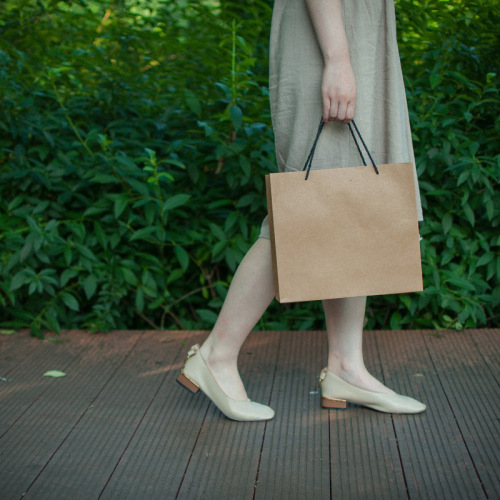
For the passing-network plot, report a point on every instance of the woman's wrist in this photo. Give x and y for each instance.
(336, 57)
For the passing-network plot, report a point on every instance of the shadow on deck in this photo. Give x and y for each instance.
(118, 426)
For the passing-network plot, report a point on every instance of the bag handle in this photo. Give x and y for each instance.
(307, 166)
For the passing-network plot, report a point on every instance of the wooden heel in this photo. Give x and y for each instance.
(339, 404)
(185, 381)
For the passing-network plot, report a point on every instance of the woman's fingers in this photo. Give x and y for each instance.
(338, 110)
(338, 91)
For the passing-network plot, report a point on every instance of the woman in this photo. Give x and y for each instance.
(331, 57)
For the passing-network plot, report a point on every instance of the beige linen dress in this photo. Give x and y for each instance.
(295, 73)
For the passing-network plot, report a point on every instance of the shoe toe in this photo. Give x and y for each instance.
(261, 412)
(414, 406)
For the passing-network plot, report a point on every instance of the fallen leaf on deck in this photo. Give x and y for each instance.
(54, 373)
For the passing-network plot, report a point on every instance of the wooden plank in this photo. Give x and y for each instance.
(365, 456)
(226, 456)
(295, 452)
(435, 460)
(29, 359)
(29, 444)
(82, 465)
(473, 394)
(155, 460)
(487, 342)
(11, 345)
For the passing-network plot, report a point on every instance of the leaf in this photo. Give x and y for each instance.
(463, 177)
(105, 179)
(175, 275)
(246, 165)
(485, 259)
(34, 285)
(33, 225)
(490, 208)
(70, 301)
(231, 221)
(15, 203)
(473, 148)
(90, 285)
(66, 275)
(129, 276)
(27, 248)
(246, 200)
(230, 258)
(18, 280)
(120, 206)
(435, 80)
(447, 223)
(469, 214)
(173, 161)
(182, 257)
(95, 210)
(68, 255)
(85, 251)
(7, 332)
(193, 103)
(143, 233)
(100, 235)
(207, 316)
(54, 374)
(176, 201)
(139, 300)
(218, 232)
(396, 321)
(218, 247)
(461, 283)
(406, 300)
(236, 117)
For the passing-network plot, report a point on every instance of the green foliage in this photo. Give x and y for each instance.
(454, 100)
(135, 139)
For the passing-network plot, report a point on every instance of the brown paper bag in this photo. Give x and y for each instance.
(344, 232)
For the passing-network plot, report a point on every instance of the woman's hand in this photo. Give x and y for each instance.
(338, 91)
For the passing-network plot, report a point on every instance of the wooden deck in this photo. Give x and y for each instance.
(118, 426)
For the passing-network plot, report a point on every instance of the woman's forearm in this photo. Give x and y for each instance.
(326, 16)
(338, 85)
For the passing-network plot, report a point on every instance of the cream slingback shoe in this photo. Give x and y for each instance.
(336, 393)
(195, 375)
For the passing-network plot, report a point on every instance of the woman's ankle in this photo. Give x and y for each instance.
(215, 356)
(345, 367)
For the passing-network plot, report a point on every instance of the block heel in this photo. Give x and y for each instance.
(186, 382)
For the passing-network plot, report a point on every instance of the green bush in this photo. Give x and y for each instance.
(135, 140)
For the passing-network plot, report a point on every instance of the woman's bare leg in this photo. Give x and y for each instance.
(344, 324)
(250, 293)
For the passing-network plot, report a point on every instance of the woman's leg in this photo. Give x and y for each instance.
(250, 293)
(344, 324)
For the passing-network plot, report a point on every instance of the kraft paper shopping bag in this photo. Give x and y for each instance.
(344, 232)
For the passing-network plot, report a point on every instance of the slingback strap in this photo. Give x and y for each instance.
(307, 166)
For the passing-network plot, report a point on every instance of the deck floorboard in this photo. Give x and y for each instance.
(118, 426)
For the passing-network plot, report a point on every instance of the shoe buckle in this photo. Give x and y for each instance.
(194, 349)
(322, 375)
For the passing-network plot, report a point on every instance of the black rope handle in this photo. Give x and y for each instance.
(307, 166)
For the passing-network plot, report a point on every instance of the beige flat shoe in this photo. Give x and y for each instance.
(195, 375)
(336, 393)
